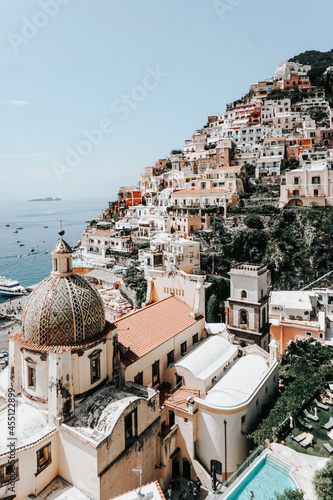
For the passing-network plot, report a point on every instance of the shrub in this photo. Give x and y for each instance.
(253, 221)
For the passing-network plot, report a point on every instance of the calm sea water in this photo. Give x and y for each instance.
(18, 262)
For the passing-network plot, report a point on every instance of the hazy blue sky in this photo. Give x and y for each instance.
(68, 66)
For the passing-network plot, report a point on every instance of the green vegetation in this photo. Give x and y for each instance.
(323, 482)
(137, 282)
(290, 494)
(314, 58)
(306, 370)
(216, 294)
(250, 169)
(317, 114)
(296, 244)
(253, 221)
(295, 95)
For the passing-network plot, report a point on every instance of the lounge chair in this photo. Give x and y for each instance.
(311, 417)
(307, 441)
(300, 437)
(328, 447)
(328, 424)
(321, 405)
(303, 423)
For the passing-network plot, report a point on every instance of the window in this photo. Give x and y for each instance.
(243, 317)
(44, 457)
(183, 348)
(296, 180)
(131, 427)
(263, 317)
(315, 193)
(308, 334)
(171, 418)
(243, 421)
(156, 372)
(95, 366)
(171, 357)
(195, 339)
(257, 402)
(315, 180)
(138, 379)
(321, 335)
(31, 377)
(9, 473)
(266, 390)
(243, 294)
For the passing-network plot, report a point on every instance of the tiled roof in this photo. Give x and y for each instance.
(177, 400)
(144, 330)
(62, 247)
(200, 191)
(235, 167)
(102, 232)
(59, 348)
(31, 445)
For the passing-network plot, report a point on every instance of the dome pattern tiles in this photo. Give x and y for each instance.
(63, 311)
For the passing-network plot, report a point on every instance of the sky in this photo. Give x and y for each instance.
(93, 91)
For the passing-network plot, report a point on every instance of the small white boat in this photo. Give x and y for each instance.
(15, 231)
(11, 288)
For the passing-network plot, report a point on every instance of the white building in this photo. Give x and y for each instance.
(225, 390)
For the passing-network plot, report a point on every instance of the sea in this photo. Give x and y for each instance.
(25, 255)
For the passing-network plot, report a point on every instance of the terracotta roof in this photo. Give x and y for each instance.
(31, 445)
(17, 336)
(235, 167)
(177, 400)
(201, 191)
(144, 330)
(102, 232)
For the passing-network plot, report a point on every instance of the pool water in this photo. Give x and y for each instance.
(268, 478)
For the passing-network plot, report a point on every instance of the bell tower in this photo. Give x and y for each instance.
(247, 306)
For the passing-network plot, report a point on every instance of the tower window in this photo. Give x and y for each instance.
(9, 473)
(131, 427)
(95, 366)
(243, 317)
(244, 294)
(31, 377)
(44, 457)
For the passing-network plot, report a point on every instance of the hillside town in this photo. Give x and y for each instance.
(133, 369)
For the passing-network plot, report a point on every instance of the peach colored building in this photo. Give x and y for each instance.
(292, 318)
(307, 187)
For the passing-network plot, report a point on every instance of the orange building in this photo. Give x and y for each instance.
(292, 318)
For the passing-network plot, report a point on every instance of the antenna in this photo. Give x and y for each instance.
(61, 232)
(139, 470)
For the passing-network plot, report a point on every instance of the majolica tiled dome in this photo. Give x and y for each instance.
(64, 309)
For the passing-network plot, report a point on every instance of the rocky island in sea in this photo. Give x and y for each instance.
(46, 199)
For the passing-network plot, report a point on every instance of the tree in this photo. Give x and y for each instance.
(212, 309)
(250, 169)
(253, 221)
(323, 482)
(290, 494)
(317, 114)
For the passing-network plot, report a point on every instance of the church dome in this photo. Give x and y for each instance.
(64, 309)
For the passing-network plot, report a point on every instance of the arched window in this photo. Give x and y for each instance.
(243, 317)
(262, 293)
(243, 294)
(263, 317)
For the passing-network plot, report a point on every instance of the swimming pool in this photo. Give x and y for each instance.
(268, 477)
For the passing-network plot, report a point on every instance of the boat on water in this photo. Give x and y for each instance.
(15, 231)
(45, 227)
(18, 241)
(7, 225)
(19, 228)
(32, 250)
(22, 244)
(11, 288)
